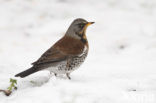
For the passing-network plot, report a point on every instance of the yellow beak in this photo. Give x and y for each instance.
(89, 23)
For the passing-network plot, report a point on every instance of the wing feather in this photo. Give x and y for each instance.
(63, 49)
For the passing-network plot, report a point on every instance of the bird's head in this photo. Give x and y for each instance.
(78, 28)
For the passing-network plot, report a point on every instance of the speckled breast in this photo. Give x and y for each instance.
(69, 65)
(75, 62)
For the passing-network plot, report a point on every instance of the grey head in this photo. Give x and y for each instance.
(78, 27)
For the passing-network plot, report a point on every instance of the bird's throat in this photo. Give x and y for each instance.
(82, 37)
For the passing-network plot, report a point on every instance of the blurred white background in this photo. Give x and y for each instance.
(120, 67)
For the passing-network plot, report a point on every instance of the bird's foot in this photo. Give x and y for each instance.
(67, 74)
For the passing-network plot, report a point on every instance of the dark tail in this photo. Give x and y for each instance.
(26, 72)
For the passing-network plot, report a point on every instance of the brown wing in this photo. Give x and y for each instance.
(51, 55)
(63, 49)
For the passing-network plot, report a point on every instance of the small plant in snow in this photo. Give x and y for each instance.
(10, 88)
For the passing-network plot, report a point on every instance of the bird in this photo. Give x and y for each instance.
(66, 55)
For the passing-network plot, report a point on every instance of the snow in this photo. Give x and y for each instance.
(120, 67)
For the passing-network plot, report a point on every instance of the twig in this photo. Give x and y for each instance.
(6, 92)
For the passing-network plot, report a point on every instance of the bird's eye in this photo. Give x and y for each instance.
(81, 25)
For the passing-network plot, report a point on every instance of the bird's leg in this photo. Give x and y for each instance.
(67, 67)
(55, 74)
(67, 74)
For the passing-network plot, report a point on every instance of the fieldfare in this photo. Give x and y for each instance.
(65, 55)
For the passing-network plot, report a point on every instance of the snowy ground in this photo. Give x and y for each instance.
(120, 67)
